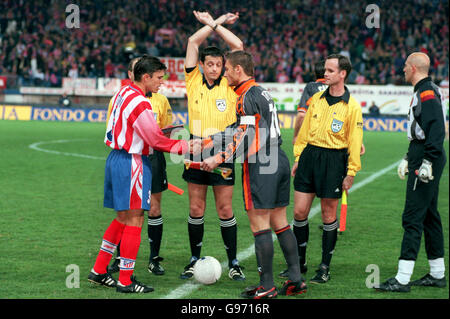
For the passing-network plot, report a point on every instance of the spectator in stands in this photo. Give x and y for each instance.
(374, 110)
(33, 36)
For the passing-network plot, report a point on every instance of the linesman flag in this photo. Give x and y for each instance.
(343, 218)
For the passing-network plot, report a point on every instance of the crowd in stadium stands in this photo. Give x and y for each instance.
(286, 38)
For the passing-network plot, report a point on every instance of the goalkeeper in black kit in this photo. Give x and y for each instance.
(424, 164)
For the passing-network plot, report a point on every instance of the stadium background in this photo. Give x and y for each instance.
(41, 59)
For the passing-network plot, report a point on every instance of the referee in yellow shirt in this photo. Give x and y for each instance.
(163, 115)
(327, 153)
(211, 108)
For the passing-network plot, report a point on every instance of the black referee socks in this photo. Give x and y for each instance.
(155, 231)
(228, 228)
(329, 238)
(301, 232)
(196, 229)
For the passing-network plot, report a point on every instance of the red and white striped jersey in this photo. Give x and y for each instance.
(133, 128)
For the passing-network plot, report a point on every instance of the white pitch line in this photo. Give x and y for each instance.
(189, 287)
(36, 146)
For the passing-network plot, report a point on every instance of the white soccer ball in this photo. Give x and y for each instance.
(207, 270)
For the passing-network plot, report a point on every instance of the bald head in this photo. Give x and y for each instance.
(421, 61)
(416, 67)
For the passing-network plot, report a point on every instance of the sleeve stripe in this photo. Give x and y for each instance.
(427, 95)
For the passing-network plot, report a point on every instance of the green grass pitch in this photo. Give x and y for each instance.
(52, 221)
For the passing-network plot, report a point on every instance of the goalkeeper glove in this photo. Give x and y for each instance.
(425, 173)
(402, 168)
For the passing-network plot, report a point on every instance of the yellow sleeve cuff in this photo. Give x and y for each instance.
(351, 172)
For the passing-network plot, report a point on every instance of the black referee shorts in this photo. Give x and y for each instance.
(321, 171)
(159, 174)
(197, 176)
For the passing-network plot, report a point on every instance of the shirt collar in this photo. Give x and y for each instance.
(216, 82)
(345, 97)
(244, 85)
(416, 87)
(320, 80)
(136, 88)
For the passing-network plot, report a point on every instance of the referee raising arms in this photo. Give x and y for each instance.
(327, 153)
(211, 109)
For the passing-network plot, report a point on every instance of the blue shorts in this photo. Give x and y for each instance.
(128, 181)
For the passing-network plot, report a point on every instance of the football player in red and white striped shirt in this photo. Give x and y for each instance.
(132, 133)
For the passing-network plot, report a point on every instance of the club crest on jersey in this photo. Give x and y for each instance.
(336, 125)
(221, 105)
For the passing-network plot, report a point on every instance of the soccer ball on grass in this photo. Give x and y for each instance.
(207, 270)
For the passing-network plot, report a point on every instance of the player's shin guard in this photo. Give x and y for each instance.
(130, 243)
(287, 242)
(264, 256)
(111, 239)
(196, 229)
(329, 238)
(301, 232)
(228, 229)
(155, 231)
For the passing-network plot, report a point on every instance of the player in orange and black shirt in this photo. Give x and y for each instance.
(256, 138)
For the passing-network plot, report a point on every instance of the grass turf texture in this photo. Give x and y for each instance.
(52, 216)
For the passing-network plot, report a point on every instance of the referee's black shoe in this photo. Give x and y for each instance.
(154, 266)
(322, 275)
(393, 285)
(188, 271)
(429, 281)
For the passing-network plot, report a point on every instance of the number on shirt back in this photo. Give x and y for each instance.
(274, 126)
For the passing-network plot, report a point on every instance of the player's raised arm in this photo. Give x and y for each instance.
(195, 40)
(210, 25)
(229, 37)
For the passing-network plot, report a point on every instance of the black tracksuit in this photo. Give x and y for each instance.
(426, 132)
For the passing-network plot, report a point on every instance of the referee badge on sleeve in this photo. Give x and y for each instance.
(221, 105)
(336, 125)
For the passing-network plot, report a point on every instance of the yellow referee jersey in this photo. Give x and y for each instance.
(210, 109)
(160, 106)
(336, 126)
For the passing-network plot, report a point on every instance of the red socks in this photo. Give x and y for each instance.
(111, 239)
(129, 247)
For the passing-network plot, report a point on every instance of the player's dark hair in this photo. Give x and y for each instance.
(211, 51)
(343, 63)
(242, 58)
(319, 69)
(147, 64)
